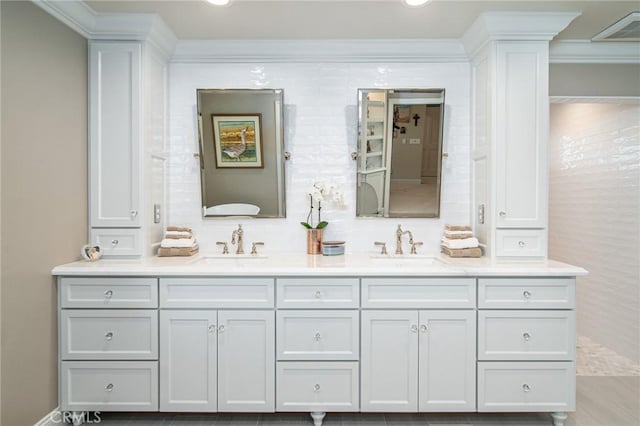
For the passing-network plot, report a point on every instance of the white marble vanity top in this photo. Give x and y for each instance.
(283, 264)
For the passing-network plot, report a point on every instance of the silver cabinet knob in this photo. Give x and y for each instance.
(526, 336)
(108, 335)
(221, 329)
(134, 213)
(108, 294)
(212, 328)
(115, 242)
(414, 328)
(318, 294)
(109, 387)
(502, 213)
(526, 387)
(521, 243)
(423, 328)
(317, 337)
(526, 294)
(316, 388)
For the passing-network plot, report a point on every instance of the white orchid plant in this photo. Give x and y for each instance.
(321, 193)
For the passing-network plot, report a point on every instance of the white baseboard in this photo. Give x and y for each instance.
(48, 420)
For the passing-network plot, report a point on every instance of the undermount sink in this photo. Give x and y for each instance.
(231, 259)
(405, 259)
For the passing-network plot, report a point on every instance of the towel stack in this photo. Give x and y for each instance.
(458, 241)
(178, 241)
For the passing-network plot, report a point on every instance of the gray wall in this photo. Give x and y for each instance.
(44, 197)
(594, 80)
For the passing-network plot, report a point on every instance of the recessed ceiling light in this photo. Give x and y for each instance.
(219, 2)
(415, 2)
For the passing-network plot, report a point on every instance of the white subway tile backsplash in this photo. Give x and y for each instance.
(320, 132)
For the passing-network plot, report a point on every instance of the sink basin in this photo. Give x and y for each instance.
(231, 259)
(405, 259)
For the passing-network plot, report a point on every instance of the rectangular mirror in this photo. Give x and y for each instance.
(399, 152)
(241, 152)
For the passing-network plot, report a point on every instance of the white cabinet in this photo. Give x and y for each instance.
(418, 361)
(127, 134)
(217, 361)
(188, 350)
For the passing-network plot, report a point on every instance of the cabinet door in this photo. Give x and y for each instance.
(521, 143)
(447, 361)
(246, 361)
(188, 343)
(115, 133)
(389, 360)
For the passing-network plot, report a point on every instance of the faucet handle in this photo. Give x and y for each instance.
(384, 246)
(414, 245)
(225, 248)
(254, 246)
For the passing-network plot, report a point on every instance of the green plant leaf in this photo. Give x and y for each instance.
(306, 225)
(322, 224)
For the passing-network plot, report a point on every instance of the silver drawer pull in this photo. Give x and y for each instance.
(212, 328)
(115, 242)
(316, 388)
(108, 294)
(526, 294)
(109, 387)
(317, 337)
(522, 243)
(414, 328)
(526, 337)
(526, 387)
(318, 294)
(108, 335)
(423, 328)
(221, 329)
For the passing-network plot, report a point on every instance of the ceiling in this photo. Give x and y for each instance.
(354, 19)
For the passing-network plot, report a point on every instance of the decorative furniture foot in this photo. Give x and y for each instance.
(317, 417)
(558, 418)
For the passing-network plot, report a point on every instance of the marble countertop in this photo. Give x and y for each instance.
(287, 264)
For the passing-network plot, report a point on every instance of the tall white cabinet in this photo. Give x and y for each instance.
(127, 133)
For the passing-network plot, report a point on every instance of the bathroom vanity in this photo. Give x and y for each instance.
(298, 333)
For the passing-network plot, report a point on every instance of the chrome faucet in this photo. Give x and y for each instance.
(238, 233)
(399, 234)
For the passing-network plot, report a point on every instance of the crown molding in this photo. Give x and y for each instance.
(112, 26)
(587, 52)
(520, 26)
(387, 50)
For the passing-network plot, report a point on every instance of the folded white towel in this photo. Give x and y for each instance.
(461, 243)
(182, 242)
(459, 232)
(179, 233)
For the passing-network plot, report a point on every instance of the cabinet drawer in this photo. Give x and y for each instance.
(526, 335)
(331, 293)
(318, 335)
(526, 293)
(109, 386)
(216, 293)
(108, 334)
(317, 386)
(521, 242)
(526, 386)
(418, 293)
(117, 242)
(109, 292)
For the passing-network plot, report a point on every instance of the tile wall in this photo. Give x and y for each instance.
(320, 132)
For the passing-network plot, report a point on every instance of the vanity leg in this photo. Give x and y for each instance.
(558, 418)
(317, 417)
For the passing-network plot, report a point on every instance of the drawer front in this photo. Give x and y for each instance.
(108, 334)
(521, 242)
(216, 293)
(109, 386)
(526, 335)
(526, 386)
(109, 292)
(526, 293)
(311, 293)
(317, 386)
(318, 335)
(117, 242)
(418, 293)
